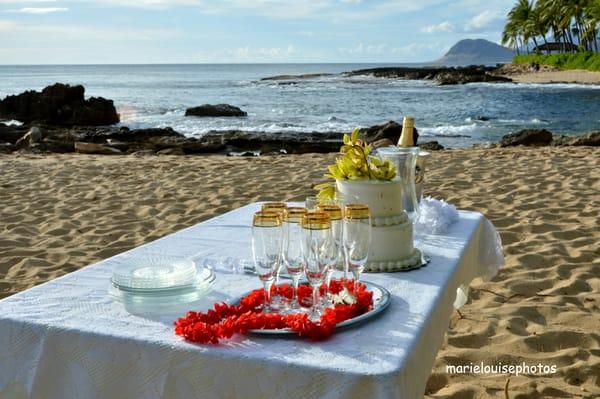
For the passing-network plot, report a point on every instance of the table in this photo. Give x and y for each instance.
(68, 338)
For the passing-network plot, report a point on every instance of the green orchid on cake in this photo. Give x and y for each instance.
(355, 164)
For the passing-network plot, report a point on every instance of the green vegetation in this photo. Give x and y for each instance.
(572, 24)
(586, 60)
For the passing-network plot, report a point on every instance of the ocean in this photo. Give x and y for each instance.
(456, 116)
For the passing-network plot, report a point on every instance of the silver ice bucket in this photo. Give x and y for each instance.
(420, 173)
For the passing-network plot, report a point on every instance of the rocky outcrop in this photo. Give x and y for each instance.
(217, 110)
(93, 148)
(459, 76)
(11, 134)
(166, 141)
(431, 146)
(542, 137)
(442, 75)
(589, 139)
(391, 131)
(60, 105)
(528, 137)
(31, 138)
(297, 77)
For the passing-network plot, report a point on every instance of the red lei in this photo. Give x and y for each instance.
(225, 320)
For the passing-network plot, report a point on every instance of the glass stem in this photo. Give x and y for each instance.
(267, 305)
(315, 299)
(327, 283)
(346, 266)
(276, 281)
(356, 274)
(295, 281)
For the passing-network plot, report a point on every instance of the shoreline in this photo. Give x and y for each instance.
(48, 139)
(581, 77)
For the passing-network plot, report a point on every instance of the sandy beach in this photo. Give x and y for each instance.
(574, 76)
(59, 213)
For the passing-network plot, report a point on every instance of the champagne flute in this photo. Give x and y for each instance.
(357, 239)
(311, 203)
(266, 249)
(292, 250)
(277, 302)
(316, 251)
(335, 215)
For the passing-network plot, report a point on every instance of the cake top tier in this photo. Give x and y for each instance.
(383, 197)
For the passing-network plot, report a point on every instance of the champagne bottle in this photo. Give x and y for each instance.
(407, 136)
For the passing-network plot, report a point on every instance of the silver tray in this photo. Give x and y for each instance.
(381, 300)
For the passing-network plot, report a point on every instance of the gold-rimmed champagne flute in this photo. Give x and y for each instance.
(317, 251)
(292, 250)
(266, 249)
(335, 215)
(277, 301)
(311, 203)
(357, 238)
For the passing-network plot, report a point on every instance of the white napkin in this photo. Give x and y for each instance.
(435, 216)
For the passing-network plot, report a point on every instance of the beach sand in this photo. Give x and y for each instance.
(59, 213)
(573, 76)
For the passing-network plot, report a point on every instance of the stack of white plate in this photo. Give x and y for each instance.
(156, 280)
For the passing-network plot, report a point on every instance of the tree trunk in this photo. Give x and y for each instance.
(546, 43)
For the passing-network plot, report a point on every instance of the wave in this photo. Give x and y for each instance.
(548, 86)
(12, 122)
(449, 130)
(534, 121)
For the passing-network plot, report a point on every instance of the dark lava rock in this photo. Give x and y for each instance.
(94, 148)
(171, 151)
(590, 139)
(391, 131)
(460, 76)
(6, 148)
(31, 138)
(298, 77)
(443, 75)
(290, 142)
(530, 137)
(382, 143)
(61, 105)
(12, 134)
(215, 110)
(431, 146)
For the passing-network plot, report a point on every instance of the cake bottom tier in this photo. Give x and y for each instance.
(392, 248)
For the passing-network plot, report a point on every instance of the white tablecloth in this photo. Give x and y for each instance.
(69, 339)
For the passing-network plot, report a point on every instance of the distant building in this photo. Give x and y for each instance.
(555, 47)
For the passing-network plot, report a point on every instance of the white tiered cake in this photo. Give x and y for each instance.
(392, 234)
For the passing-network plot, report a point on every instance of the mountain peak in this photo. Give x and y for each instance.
(476, 51)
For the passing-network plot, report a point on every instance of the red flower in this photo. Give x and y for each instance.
(225, 320)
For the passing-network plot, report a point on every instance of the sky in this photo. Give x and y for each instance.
(240, 31)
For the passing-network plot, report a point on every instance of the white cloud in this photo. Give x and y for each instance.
(7, 25)
(361, 49)
(445, 26)
(40, 10)
(482, 20)
(306, 33)
(25, 1)
(248, 53)
(414, 50)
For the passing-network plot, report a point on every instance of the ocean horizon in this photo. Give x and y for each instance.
(157, 95)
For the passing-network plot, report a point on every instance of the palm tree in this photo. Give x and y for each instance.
(564, 20)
